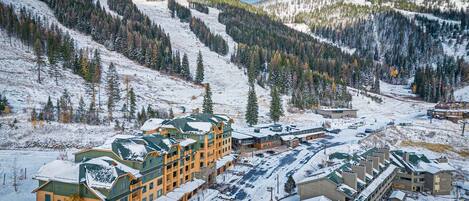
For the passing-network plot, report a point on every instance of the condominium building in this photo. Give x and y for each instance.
(372, 175)
(420, 174)
(170, 164)
(367, 176)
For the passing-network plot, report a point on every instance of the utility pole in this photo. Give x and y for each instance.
(463, 127)
(278, 183)
(271, 189)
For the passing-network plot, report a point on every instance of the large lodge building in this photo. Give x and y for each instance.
(171, 162)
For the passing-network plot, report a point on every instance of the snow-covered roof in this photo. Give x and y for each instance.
(186, 142)
(376, 182)
(320, 173)
(419, 162)
(152, 124)
(196, 123)
(108, 143)
(179, 192)
(225, 159)
(59, 170)
(260, 131)
(102, 172)
(319, 198)
(397, 195)
(240, 136)
(288, 137)
(201, 126)
(337, 109)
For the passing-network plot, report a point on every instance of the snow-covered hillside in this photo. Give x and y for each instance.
(229, 83)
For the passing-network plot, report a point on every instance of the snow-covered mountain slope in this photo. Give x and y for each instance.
(18, 82)
(150, 86)
(229, 83)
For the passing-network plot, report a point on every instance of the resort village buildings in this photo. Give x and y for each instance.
(172, 160)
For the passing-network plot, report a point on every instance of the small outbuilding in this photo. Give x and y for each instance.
(337, 113)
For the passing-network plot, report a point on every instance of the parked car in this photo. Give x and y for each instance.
(391, 123)
(335, 131)
(353, 126)
(271, 152)
(360, 135)
(369, 130)
(260, 155)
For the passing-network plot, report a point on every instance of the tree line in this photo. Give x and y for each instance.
(294, 63)
(438, 84)
(134, 35)
(406, 48)
(50, 41)
(183, 13)
(215, 42)
(199, 7)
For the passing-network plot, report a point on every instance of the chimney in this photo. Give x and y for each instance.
(350, 179)
(385, 151)
(360, 170)
(369, 167)
(406, 156)
(380, 156)
(375, 161)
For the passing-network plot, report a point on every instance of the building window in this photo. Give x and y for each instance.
(123, 199)
(201, 164)
(144, 189)
(151, 186)
(159, 193)
(47, 198)
(160, 181)
(150, 197)
(174, 184)
(144, 199)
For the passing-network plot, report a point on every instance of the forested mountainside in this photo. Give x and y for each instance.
(275, 55)
(424, 42)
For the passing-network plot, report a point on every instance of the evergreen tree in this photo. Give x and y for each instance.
(33, 115)
(49, 110)
(133, 104)
(171, 113)
(150, 112)
(199, 74)
(276, 110)
(112, 89)
(92, 116)
(207, 106)
(142, 117)
(112, 79)
(252, 108)
(39, 57)
(185, 71)
(290, 185)
(81, 111)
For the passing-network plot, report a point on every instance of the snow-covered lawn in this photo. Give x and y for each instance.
(16, 160)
